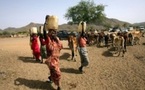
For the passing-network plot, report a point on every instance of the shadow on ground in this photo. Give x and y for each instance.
(65, 56)
(140, 58)
(111, 53)
(108, 53)
(34, 84)
(143, 43)
(27, 59)
(70, 70)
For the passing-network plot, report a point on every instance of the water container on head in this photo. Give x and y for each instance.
(33, 30)
(51, 23)
(80, 27)
(41, 30)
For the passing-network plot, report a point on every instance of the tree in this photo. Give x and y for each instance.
(124, 25)
(6, 33)
(0, 33)
(117, 26)
(86, 11)
(107, 26)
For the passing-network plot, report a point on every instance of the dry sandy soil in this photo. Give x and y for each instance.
(19, 71)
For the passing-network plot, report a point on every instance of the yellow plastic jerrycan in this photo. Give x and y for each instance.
(52, 23)
(80, 26)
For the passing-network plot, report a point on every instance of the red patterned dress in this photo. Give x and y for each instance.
(53, 59)
(35, 47)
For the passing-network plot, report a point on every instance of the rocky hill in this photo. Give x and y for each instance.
(112, 22)
(22, 29)
(139, 24)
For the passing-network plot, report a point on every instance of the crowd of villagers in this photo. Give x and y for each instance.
(49, 49)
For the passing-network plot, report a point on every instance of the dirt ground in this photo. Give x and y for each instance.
(19, 71)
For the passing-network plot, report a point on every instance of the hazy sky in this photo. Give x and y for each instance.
(18, 13)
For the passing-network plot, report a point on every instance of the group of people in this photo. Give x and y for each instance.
(50, 47)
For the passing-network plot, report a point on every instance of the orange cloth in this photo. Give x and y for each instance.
(82, 42)
(53, 59)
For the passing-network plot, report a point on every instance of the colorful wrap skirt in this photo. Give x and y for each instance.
(83, 56)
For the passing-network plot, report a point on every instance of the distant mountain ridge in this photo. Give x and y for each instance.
(139, 24)
(110, 21)
(24, 28)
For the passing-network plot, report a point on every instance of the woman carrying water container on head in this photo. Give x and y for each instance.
(34, 42)
(53, 46)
